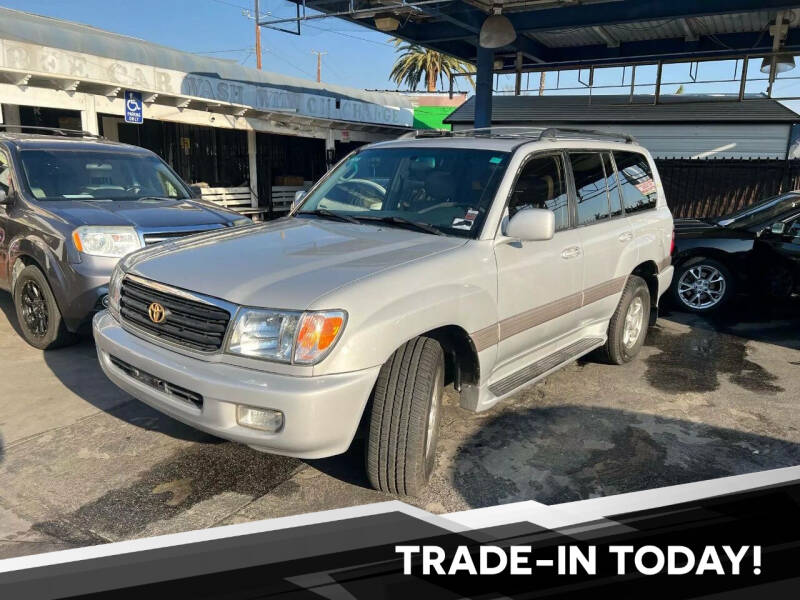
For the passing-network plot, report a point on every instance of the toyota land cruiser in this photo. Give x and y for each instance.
(484, 259)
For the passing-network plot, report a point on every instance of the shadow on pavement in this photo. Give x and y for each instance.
(7, 306)
(78, 369)
(565, 453)
(770, 320)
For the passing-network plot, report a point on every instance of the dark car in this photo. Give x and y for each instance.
(754, 250)
(71, 205)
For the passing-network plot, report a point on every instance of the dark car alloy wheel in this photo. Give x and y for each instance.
(34, 309)
(702, 286)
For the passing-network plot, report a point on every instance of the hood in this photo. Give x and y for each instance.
(284, 264)
(696, 228)
(139, 213)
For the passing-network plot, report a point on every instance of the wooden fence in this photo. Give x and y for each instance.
(709, 188)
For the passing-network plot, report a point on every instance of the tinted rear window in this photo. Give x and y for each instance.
(636, 181)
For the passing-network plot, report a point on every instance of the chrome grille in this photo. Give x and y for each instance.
(156, 237)
(190, 323)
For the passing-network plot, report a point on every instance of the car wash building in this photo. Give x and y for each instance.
(245, 137)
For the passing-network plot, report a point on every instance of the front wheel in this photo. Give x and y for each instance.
(404, 424)
(702, 285)
(37, 312)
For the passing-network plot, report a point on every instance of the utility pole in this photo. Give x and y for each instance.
(542, 83)
(319, 63)
(258, 36)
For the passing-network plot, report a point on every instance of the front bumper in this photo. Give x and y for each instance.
(321, 414)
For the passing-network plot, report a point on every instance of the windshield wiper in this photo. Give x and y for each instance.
(329, 214)
(404, 223)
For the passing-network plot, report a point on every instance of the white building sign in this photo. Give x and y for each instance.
(43, 60)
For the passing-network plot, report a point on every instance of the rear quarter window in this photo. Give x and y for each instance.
(636, 181)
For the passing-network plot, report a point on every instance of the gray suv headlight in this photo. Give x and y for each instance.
(106, 241)
(286, 336)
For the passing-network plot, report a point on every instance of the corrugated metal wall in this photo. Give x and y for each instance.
(700, 140)
(695, 140)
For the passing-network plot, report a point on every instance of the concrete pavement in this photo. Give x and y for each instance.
(83, 463)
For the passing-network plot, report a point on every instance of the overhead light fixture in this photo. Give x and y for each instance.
(496, 31)
(498, 64)
(387, 23)
(783, 63)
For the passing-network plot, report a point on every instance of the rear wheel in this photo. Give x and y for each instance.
(404, 424)
(628, 326)
(702, 285)
(37, 312)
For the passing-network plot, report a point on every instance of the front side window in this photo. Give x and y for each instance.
(443, 190)
(636, 181)
(590, 186)
(98, 175)
(541, 185)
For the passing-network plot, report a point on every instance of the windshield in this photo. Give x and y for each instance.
(98, 175)
(762, 213)
(441, 190)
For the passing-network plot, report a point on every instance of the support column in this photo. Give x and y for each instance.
(89, 116)
(483, 88)
(9, 114)
(252, 166)
(330, 144)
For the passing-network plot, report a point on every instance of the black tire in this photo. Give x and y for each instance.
(616, 351)
(703, 263)
(37, 312)
(409, 385)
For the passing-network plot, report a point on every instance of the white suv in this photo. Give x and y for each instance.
(483, 259)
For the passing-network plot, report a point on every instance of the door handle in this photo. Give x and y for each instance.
(625, 237)
(571, 252)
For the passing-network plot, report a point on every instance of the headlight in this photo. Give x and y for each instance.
(264, 334)
(106, 241)
(115, 288)
(286, 336)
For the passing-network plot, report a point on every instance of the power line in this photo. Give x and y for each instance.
(231, 4)
(223, 51)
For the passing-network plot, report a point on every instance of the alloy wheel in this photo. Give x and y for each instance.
(702, 287)
(634, 322)
(34, 309)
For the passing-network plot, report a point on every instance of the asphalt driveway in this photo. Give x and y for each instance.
(83, 463)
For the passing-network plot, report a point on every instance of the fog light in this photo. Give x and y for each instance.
(264, 419)
(105, 301)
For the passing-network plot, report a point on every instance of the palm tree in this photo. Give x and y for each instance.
(416, 61)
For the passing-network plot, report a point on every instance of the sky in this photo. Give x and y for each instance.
(356, 56)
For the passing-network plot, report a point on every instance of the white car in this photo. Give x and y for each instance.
(485, 260)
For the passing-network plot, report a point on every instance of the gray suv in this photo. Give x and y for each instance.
(71, 205)
(485, 260)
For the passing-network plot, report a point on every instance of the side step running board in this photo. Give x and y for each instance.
(543, 365)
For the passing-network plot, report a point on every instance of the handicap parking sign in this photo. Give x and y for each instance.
(133, 107)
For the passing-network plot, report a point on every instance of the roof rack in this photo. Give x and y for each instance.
(51, 130)
(532, 133)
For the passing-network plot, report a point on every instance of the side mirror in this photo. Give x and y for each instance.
(532, 225)
(778, 228)
(298, 197)
(196, 193)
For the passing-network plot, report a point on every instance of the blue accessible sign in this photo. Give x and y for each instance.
(133, 107)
